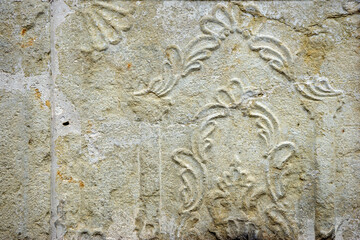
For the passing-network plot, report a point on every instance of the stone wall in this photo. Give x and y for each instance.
(179, 119)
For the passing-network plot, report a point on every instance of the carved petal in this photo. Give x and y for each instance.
(282, 226)
(281, 153)
(277, 159)
(193, 179)
(174, 56)
(105, 22)
(266, 122)
(231, 95)
(274, 51)
(198, 50)
(219, 24)
(317, 89)
(212, 111)
(225, 98)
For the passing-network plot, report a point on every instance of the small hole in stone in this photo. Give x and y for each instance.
(66, 123)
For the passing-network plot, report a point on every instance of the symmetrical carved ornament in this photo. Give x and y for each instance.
(240, 206)
(236, 188)
(216, 28)
(261, 209)
(105, 22)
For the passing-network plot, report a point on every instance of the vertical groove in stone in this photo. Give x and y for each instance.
(325, 160)
(25, 168)
(110, 148)
(52, 127)
(160, 188)
(314, 180)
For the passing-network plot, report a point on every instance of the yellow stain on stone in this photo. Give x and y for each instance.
(37, 93)
(28, 43)
(68, 179)
(47, 103)
(23, 31)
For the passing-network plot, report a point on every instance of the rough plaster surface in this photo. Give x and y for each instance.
(179, 119)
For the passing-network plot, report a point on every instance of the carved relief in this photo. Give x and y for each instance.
(180, 64)
(275, 52)
(196, 52)
(241, 205)
(147, 214)
(317, 88)
(280, 58)
(105, 22)
(270, 216)
(193, 176)
(224, 21)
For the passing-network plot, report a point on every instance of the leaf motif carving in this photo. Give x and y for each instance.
(193, 179)
(198, 50)
(278, 153)
(275, 52)
(279, 57)
(179, 65)
(281, 153)
(237, 189)
(282, 227)
(216, 27)
(219, 23)
(317, 88)
(172, 71)
(212, 111)
(266, 122)
(174, 58)
(277, 157)
(206, 142)
(232, 94)
(105, 22)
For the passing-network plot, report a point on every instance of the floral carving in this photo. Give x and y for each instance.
(105, 21)
(235, 194)
(316, 88)
(216, 27)
(280, 58)
(273, 51)
(180, 64)
(241, 205)
(194, 176)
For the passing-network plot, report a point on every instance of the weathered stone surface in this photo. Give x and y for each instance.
(187, 120)
(25, 115)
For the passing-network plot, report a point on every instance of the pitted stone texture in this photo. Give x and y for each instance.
(226, 114)
(25, 167)
(25, 114)
(25, 37)
(203, 119)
